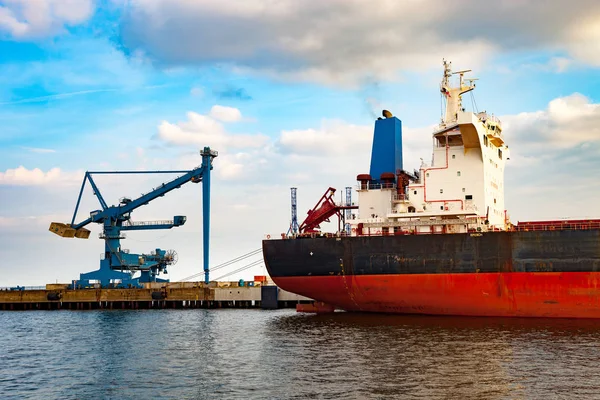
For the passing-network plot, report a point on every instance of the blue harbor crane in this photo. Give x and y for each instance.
(118, 265)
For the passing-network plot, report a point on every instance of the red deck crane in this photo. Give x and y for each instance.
(325, 209)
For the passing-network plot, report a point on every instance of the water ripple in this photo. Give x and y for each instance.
(252, 354)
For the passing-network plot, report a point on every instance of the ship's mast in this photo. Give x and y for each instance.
(453, 93)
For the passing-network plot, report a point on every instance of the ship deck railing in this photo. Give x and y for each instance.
(574, 225)
(373, 186)
(520, 227)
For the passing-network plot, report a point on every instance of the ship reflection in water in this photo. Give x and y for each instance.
(252, 354)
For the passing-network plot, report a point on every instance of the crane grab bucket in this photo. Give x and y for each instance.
(65, 230)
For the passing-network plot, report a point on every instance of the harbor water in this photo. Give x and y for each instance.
(254, 354)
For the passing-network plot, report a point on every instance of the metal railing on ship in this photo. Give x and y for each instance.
(369, 186)
(521, 226)
(400, 197)
(573, 225)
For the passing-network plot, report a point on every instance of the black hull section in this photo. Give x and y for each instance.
(541, 251)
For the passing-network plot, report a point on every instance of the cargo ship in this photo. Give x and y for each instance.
(438, 240)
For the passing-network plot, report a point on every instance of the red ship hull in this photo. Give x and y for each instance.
(504, 294)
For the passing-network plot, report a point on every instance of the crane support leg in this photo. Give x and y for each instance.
(105, 276)
(207, 164)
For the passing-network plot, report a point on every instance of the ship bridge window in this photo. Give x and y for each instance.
(500, 154)
(441, 141)
(455, 140)
(469, 197)
(485, 140)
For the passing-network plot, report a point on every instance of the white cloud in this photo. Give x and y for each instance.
(567, 122)
(33, 19)
(22, 176)
(333, 137)
(342, 42)
(555, 156)
(229, 165)
(225, 114)
(230, 170)
(207, 130)
(584, 36)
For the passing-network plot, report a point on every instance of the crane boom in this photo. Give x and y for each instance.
(114, 212)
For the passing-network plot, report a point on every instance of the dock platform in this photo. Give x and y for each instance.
(170, 296)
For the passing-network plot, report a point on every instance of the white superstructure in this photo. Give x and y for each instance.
(461, 190)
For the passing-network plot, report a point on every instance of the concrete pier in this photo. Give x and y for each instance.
(190, 295)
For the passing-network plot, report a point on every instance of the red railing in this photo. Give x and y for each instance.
(521, 226)
(570, 225)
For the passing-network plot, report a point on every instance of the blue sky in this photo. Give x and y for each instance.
(287, 92)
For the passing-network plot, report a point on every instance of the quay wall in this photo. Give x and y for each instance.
(178, 296)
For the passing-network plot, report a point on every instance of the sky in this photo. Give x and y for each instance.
(287, 92)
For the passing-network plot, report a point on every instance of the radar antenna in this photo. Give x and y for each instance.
(453, 94)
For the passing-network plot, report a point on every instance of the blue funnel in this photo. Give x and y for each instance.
(387, 148)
